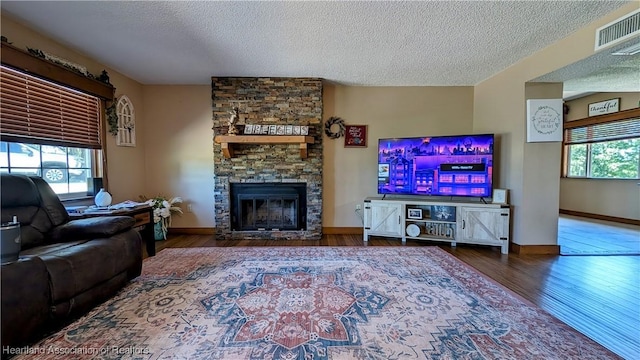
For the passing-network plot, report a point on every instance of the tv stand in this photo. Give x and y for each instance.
(434, 220)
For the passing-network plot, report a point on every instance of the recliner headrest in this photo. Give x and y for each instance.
(18, 190)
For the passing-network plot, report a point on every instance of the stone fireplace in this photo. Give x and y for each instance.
(282, 191)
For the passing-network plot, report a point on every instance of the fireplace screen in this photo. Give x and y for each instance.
(268, 207)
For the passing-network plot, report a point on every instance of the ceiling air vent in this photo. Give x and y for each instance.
(618, 30)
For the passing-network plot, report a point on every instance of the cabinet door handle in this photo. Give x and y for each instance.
(463, 224)
(398, 219)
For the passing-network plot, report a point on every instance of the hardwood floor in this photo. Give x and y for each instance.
(597, 295)
(583, 236)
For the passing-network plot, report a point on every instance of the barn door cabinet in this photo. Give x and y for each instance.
(383, 218)
(485, 226)
(432, 220)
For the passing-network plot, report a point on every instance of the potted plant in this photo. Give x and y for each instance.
(163, 208)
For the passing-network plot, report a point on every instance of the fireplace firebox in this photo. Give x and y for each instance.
(268, 206)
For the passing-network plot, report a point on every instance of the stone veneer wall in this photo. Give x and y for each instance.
(286, 101)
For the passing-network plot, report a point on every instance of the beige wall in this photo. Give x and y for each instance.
(125, 170)
(174, 137)
(619, 198)
(350, 174)
(499, 106)
(179, 149)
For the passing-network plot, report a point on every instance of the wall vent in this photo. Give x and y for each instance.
(618, 30)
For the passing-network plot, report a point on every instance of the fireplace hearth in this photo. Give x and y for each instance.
(268, 206)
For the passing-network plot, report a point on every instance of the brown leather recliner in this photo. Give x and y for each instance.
(66, 267)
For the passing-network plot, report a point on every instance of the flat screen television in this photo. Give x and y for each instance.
(459, 165)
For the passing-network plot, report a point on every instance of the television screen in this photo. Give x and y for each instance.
(437, 166)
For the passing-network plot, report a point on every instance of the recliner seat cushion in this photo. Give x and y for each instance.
(77, 268)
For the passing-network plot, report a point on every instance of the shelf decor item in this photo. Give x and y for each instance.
(413, 230)
(163, 208)
(414, 214)
(103, 198)
(233, 119)
(499, 196)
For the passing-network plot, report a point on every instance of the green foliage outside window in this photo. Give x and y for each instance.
(618, 159)
(578, 160)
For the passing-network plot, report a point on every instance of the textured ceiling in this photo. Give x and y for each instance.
(428, 43)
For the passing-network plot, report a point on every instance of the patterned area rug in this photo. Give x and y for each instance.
(315, 303)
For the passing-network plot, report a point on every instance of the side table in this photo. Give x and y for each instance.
(143, 215)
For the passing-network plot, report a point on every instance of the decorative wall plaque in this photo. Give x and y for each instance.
(544, 120)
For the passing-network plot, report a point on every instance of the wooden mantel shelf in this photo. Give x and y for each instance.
(227, 141)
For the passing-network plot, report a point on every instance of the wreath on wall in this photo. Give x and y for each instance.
(330, 123)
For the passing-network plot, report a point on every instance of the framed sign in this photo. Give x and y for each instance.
(544, 120)
(500, 196)
(355, 136)
(414, 214)
(604, 107)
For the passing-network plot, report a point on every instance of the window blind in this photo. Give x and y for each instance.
(34, 110)
(614, 130)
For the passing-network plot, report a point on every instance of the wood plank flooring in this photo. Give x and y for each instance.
(582, 236)
(597, 295)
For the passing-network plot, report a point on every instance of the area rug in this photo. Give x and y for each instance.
(315, 303)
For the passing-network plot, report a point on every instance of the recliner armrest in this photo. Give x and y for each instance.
(88, 228)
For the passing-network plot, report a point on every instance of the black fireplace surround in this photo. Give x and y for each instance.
(268, 206)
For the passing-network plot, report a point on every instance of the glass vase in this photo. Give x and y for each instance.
(159, 231)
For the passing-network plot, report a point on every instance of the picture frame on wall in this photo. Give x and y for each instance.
(544, 120)
(355, 136)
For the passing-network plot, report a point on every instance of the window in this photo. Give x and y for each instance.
(604, 147)
(49, 130)
(66, 169)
